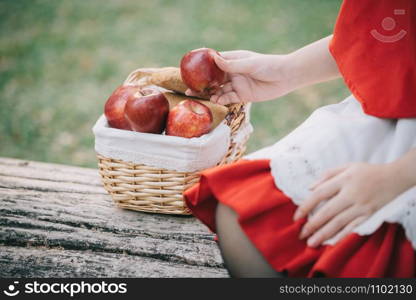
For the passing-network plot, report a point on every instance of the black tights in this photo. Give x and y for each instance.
(241, 258)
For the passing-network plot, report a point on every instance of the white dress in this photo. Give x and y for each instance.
(335, 135)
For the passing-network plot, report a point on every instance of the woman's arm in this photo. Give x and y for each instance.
(353, 193)
(404, 170)
(313, 64)
(254, 77)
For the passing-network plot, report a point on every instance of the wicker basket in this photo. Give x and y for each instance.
(149, 189)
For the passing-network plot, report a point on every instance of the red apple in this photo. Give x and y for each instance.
(189, 119)
(147, 111)
(200, 72)
(114, 107)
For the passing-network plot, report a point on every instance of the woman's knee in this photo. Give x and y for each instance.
(225, 216)
(241, 257)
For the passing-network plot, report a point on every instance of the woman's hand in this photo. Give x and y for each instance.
(251, 77)
(258, 77)
(353, 193)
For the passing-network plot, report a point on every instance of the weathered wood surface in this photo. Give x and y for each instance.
(58, 221)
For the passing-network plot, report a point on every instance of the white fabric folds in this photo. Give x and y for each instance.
(335, 135)
(162, 151)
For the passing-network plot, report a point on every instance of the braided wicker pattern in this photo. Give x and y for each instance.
(149, 189)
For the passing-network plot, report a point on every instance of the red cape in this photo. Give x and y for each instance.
(374, 45)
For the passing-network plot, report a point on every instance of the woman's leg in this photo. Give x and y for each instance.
(241, 258)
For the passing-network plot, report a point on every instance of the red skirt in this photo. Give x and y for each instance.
(265, 214)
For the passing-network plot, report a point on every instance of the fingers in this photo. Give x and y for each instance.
(220, 91)
(350, 227)
(214, 98)
(226, 95)
(325, 214)
(328, 175)
(228, 98)
(324, 192)
(241, 65)
(231, 62)
(228, 87)
(236, 54)
(191, 93)
(333, 227)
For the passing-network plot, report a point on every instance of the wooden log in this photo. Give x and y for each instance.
(57, 220)
(50, 262)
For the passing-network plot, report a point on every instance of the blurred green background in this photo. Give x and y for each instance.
(60, 60)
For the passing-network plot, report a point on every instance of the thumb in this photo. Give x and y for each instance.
(242, 66)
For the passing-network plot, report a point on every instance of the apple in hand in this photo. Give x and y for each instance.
(189, 119)
(147, 111)
(200, 72)
(114, 107)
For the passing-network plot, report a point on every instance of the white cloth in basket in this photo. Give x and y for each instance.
(337, 134)
(163, 151)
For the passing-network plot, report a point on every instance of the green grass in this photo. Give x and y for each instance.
(60, 60)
